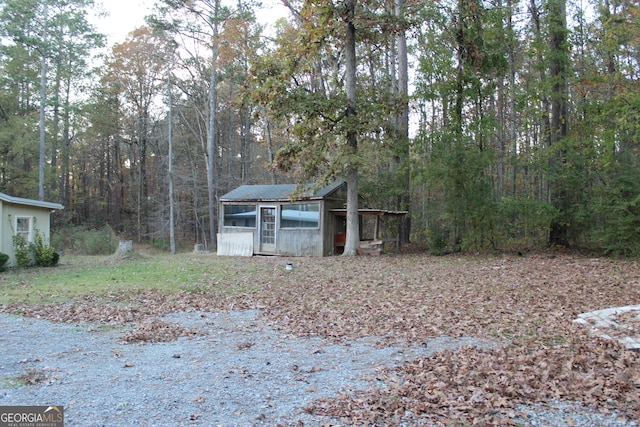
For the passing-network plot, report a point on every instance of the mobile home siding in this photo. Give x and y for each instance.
(36, 213)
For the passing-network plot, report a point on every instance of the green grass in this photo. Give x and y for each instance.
(12, 382)
(78, 276)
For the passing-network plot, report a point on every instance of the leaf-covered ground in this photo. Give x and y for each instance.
(527, 304)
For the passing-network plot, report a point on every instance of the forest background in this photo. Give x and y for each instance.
(498, 125)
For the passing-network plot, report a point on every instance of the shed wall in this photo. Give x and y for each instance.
(40, 222)
(4, 224)
(299, 242)
(288, 241)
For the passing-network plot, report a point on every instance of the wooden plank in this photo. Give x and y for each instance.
(235, 244)
(370, 247)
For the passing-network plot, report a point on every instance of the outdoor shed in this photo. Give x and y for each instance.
(277, 220)
(26, 218)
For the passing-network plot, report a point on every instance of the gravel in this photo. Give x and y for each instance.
(237, 370)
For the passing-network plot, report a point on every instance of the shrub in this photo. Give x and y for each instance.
(161, 244)
(100, 242)
(3, 261)
(21, 250)
(524, 222)
(437, 241)
(81, 240)
(43, 254)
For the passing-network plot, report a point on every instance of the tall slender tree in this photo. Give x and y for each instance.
(353, 226)
(138, 69)
(59, 32)
(402, 124)
(200, 20)
(558, 53)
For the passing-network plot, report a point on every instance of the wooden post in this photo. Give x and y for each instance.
(376, 230)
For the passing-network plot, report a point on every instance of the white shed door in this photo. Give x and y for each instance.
(268, 229)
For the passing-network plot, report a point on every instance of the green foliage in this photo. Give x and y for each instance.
(100, 242)
(485, 161)
(437, 241)
(523, 222)
(37, 253)
(43, 254)
(21, 251)
(161, 244)
(615, 216)
(3, 261)
(82, 240)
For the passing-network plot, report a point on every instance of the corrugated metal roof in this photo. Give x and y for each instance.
(277, 192)
(30, 202)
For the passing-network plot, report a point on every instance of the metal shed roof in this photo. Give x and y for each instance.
(278, 192)
(30, 202)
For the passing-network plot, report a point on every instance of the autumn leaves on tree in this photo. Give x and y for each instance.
(496, 125)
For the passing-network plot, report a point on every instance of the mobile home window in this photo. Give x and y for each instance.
(240, 216)
(23, 227)
(305, 215)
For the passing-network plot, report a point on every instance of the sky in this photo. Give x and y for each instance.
(124, 17)
(127, 15)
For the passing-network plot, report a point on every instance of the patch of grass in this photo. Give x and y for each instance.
(79, 276)
(31, 376)
(9, 382)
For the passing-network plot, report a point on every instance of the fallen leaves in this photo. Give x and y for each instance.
(527, 303)
(244, 346)
(154, 330)
(34, 376)
(486, 385)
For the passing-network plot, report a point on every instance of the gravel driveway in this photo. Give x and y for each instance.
(237, 371)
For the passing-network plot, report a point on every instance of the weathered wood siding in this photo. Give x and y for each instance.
(299, 242)
(236, 244)
(302, 241)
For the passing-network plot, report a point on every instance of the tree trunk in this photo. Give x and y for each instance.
(142, 208)
(65, 192)
(211, 135)
(43, 103)
(513, 130)
(172, 233)
(404, 200)
(353, 226)
(267, 134)
(558, 233)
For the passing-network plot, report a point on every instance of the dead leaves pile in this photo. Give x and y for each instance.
(526, 303)
(138, 310)
(154, 330)
(529, 304)
(485, 386)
